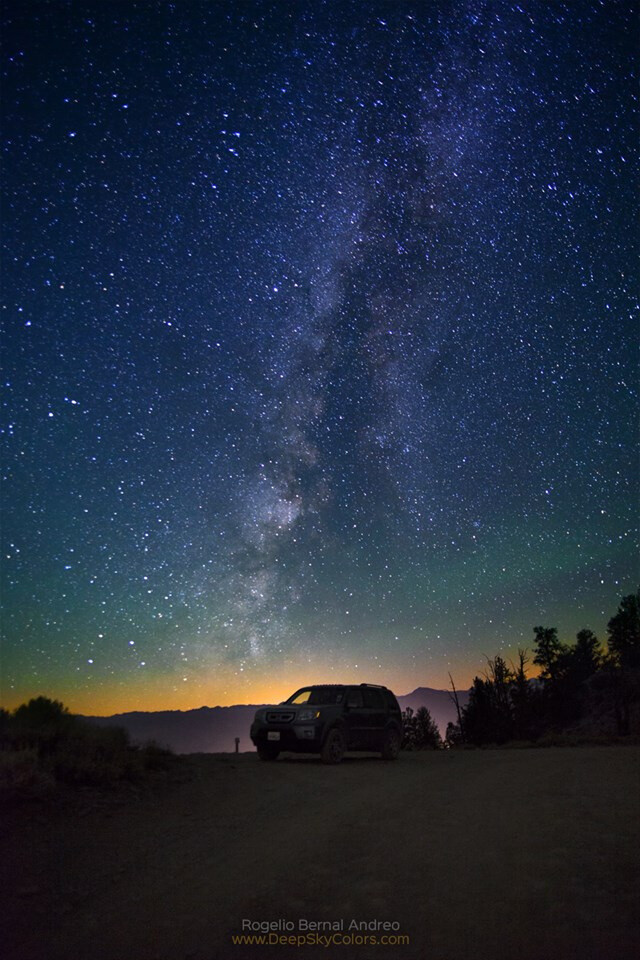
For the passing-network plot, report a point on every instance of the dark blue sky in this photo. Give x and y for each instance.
(320, 348)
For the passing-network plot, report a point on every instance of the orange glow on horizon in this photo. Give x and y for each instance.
(270, 685)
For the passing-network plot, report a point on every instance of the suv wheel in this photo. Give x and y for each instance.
(391, 744)
(268, 752)
(334, 746)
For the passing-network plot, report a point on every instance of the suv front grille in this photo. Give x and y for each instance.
(281, 716)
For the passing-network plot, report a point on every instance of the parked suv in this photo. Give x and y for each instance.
(330, 719)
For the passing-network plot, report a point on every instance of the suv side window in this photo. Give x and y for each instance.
(354, 699)
(392, 703)
(373, 698)
(302, 697)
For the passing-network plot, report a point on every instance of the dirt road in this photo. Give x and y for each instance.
(484, 854)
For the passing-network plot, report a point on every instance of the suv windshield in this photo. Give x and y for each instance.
(317, 695)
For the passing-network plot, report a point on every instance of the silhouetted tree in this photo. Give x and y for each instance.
(478, 715)
(427, 733)
(569, 691)
(499, 676)
(578, 686)
(420, 731)
(40, 712)
(408, 729)
(624, 632)
(557, 704)
(616, 686)
(611, 692)
(489, 716)
(40, 723)
(7, 736)
(548, 652)
(453, 696)
(504, 705)
(586, 656)
(523, 701)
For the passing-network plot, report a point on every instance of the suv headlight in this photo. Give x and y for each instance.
(308, 715)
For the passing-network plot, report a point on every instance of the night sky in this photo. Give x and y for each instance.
(319, 342)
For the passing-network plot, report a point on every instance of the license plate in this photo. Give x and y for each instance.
(273, 735)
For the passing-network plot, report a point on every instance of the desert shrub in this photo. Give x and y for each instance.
(155, 757)
(39, 724)
(42, 744)
(21, 775)
(94, 755)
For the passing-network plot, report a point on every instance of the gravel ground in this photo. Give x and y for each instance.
(499, 854)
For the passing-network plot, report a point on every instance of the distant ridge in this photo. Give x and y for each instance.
(204, 730)
(438, 703)
(214, 729)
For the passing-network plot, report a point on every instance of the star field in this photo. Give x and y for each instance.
(320, 341)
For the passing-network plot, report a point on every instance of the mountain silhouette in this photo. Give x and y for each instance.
(214, 729)
(438, 703)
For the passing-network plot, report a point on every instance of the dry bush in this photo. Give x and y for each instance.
(22, 776)
(42, 745)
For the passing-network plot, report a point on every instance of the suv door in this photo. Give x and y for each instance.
(355, 721)
(375, 716)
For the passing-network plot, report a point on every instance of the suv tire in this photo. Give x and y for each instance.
(333, 747)
(391, 744)
(268, 753)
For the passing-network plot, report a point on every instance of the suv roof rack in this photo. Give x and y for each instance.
(378, 686)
